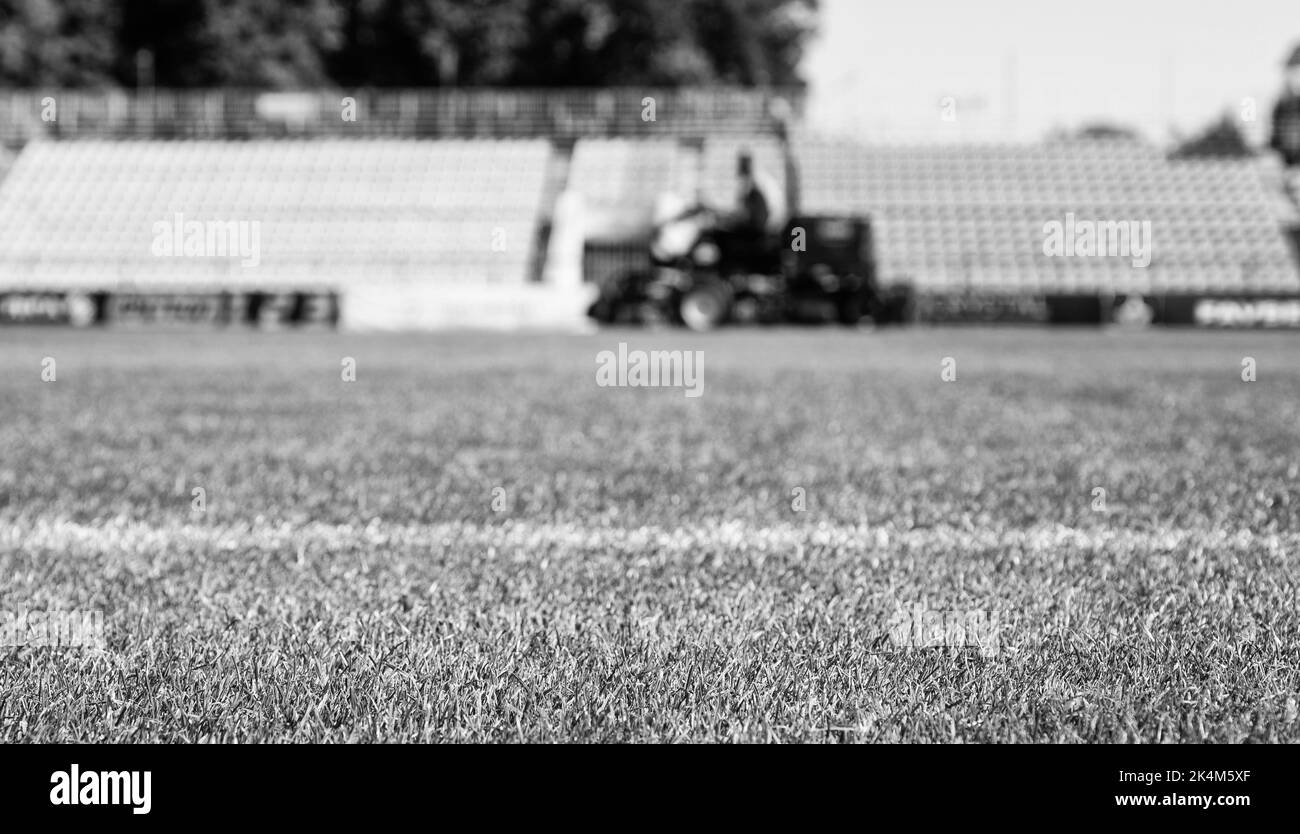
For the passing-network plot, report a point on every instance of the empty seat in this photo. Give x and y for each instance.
(93, 215)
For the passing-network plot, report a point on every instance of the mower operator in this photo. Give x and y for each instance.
(745, 233)
(756, 206)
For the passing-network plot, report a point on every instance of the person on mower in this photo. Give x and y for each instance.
(745, 234)
(1286, 126)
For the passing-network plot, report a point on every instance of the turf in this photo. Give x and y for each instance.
(643, 574)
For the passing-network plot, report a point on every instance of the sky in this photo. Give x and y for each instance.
(1017, 69)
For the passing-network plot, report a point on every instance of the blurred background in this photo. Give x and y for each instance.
(376, 164)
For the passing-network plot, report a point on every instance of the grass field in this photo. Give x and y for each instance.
(644, 575)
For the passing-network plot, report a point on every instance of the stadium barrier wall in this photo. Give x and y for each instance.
(530, 306)
(545, 307)
(253, 309)
(1221, 310)
(1197, 310)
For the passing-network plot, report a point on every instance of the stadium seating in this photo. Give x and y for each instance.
(619, 180)
(398, 217)
(331, 214)
(956, 217)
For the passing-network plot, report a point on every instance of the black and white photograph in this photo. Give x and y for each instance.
(649, 372)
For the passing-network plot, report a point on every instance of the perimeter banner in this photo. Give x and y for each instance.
(146, 309)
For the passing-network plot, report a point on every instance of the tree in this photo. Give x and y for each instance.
(415, 43)
(57, 43)
(1221, 139)
(1106, 130)
(664, 42)
(243, 43)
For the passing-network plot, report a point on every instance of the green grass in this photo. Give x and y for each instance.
(648, 578)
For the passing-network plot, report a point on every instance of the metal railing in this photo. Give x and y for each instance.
(423, 113)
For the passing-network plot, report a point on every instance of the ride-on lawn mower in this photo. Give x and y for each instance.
(822, 269)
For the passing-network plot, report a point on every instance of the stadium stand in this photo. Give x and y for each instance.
(613, 185)
(971, 217)
(620, 179)
(379, 221)
(84, 215)
(426, 232)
